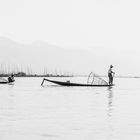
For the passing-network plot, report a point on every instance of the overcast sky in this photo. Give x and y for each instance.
(72, 23)
(85, 24)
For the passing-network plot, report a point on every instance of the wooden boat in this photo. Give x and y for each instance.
(68, 83)
(4, 81)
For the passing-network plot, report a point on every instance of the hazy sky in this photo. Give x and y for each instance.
(110, 25)
(72, 23)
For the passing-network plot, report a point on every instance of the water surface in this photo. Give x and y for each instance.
(30, 111)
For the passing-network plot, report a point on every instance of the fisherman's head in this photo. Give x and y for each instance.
(111, 66)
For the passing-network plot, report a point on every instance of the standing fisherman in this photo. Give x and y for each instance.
(110, 75)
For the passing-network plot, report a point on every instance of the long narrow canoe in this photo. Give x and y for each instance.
(6, 82)
(72, 84)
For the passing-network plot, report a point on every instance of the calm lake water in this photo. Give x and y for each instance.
(30, 111)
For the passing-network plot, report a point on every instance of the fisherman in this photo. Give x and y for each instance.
(110, 75)
(11, 78)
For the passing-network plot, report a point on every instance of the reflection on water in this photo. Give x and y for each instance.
(110, 112)
(110, 101)
(31, 111)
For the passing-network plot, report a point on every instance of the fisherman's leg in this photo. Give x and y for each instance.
(112, 80)
(109, 80)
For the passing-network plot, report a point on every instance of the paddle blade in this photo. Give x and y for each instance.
(42, 82)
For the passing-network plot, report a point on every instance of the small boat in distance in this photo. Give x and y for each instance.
(4, 81)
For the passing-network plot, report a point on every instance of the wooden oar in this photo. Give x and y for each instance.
(42, 82)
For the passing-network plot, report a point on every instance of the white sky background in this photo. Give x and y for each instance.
(70, 23)
(73, 23)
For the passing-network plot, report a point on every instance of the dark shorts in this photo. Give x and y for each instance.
(110, 75)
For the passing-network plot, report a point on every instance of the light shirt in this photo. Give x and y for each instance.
(110, 71)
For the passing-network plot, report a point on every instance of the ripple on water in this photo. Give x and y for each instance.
(48, 135)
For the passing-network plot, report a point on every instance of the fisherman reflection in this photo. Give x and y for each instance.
(110, 101)
(109, 113)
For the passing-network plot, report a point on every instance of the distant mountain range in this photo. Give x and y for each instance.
(41, 56)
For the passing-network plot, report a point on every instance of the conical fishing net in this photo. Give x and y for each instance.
(95, 79)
